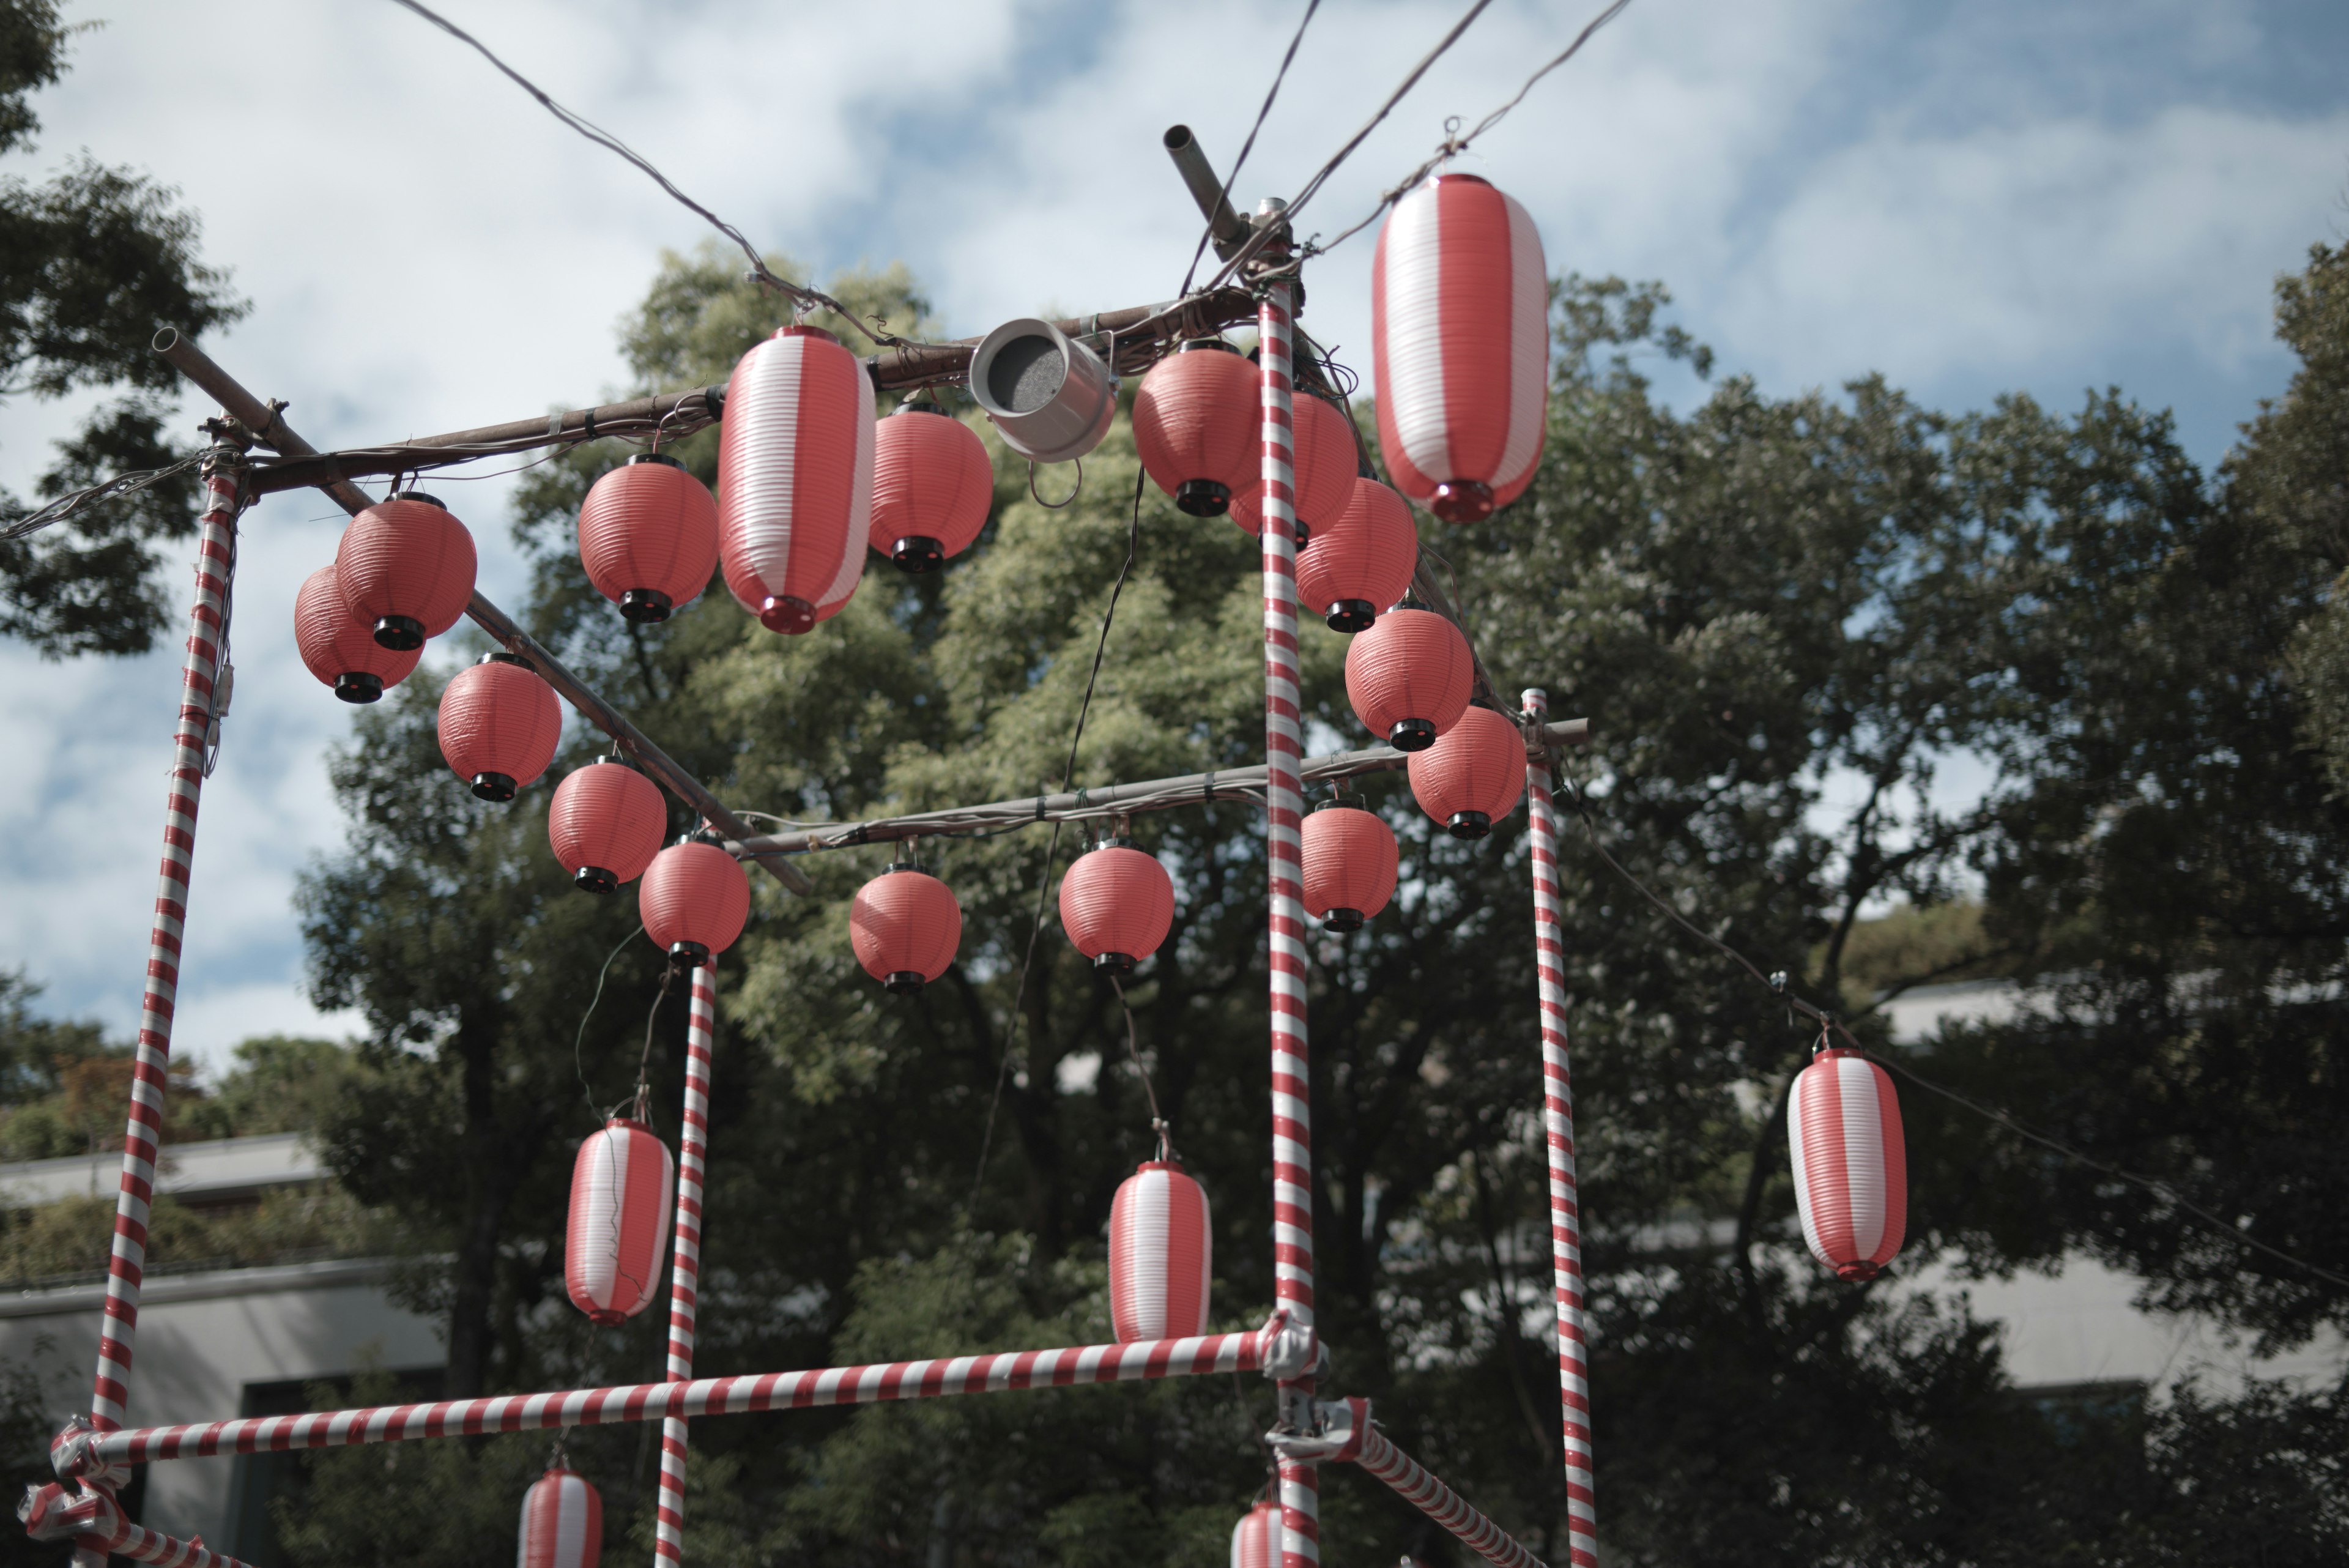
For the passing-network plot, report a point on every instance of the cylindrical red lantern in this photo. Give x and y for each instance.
(1256, 1539)
(1851, 1163)
(1350, 864)
(796, 477)
(1460, 344)
(1116, 904)
(499, 724)
(1325, 464)
(932, 487)
(1473, 775)
(1161, 1254)
(648, 536)
(1362, 562)
(405, 567)
(339, 649)
(607, 824)
(562, 1522)
(1194, 426)
(906, 928)
(617, 1239)
(694, 900)
(1408, 677)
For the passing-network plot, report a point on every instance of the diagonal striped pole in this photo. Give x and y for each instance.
(685, 1277)
(1558, 1127)
(223, 482)
(1292, 1122)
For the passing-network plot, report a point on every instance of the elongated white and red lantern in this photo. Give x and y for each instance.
(617, 1239)
(562, 1522)
(1161, 1254)
(1851, 1165)
(795, 478)
(1256, 1539)
(1460, 342)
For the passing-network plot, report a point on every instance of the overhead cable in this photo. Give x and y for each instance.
(75, 502)
(1241, 162)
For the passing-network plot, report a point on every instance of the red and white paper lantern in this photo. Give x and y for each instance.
(1408, 677)
(648, 536)
(405, 567)
(1460, 344)
(694, 899)
(499, 725)
(1197, 429)
(795, 478)
(905, 926)
(1362, 562)
(339, 649)
(1161, 1255)
(933, 486)
(562, 1522)
(1116, 904)
(1350, 864)
(607, 824)
(1256, 1539)
(1474, 775)
(1851, 1164)
(616, 1243)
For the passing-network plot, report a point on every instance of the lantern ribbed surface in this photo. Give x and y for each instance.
(649, 528)
(1161, 1254)
(1116, 903)
(617, 1239)
(1460, 346)
(499, 725)
(1851, 1163)
(1256, 1539)
(694, 894)
(931, 480)
(1350, 864)
(608, 819)
(1323, 458)
(1410, 667)
(1474, 774)
(905, 923)
(562, 1522)
(796, 477)
(1365, 556)
(339, 649)
(1195, 423)
(405, 559)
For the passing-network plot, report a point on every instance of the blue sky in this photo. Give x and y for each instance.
(1972, 199)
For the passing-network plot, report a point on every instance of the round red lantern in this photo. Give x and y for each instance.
(648, 536)
(1196, 426)
(1256, 1539)
(1161, 1255)
(1408, 677)
(906, 928)
(499, 725)
(607, 824)
(1362, 562)
(617, 1239)
(1851, 1163)
(1350, 864)
(932, 487)
(694, 900)
(1473, 775)
(1460, 344)
(339, 649)
(1116, 904)
(796, 477)
(562, 1522)
(1324, 460)
(405, 567)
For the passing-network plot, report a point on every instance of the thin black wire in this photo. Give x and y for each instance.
(799, 292)
(1246, 147)
(1133, 1054)
(1826, 1020)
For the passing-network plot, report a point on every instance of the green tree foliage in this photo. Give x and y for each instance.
(93, 261)
(1758, 602)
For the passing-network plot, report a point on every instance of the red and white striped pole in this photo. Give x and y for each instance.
(223, 482)
(1284, 751)
(685, 1277)
(1558, 1127)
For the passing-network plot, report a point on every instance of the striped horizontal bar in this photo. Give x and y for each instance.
(1419, 1488)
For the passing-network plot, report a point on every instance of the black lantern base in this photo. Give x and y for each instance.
(1412, 735)
(787, 614)
(1352, 615)
(594, 880)
(1342, 921)
(1462, 501)
(904, 981)
(1204, 497)
(358, 686)
(917, 553)
(1299, 535)
(692, 955)
(645, 605)
(1115, 964)
(494, 787)
(400, 633)
(1468, 824)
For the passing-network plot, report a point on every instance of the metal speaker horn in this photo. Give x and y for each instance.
(1050, 396)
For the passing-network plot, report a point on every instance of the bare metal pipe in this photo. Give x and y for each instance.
(1226, 231)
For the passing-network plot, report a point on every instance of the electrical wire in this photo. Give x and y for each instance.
(1225, 196)
(578, 1065)
(75, 502)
